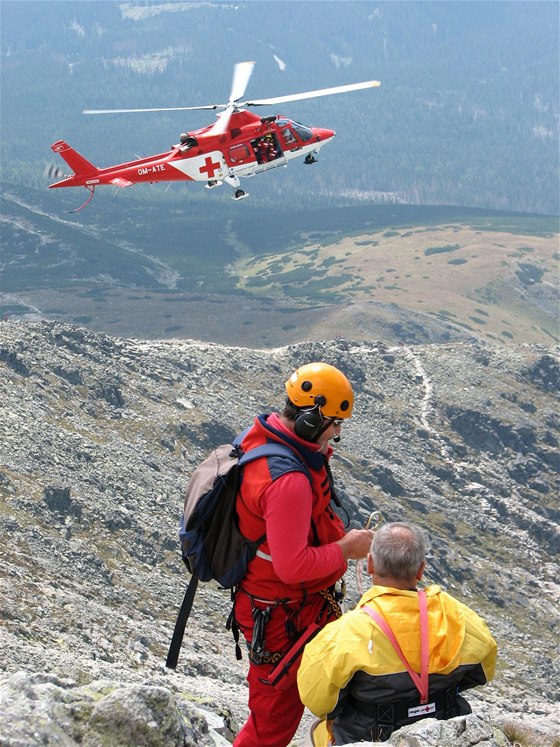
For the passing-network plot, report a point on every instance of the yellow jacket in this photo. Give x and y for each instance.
(351, 661)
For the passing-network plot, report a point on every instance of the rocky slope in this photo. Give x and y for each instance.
(99, 435)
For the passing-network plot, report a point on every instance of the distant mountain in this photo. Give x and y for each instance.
(467, 113)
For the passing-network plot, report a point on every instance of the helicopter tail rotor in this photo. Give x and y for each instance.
(54, 172)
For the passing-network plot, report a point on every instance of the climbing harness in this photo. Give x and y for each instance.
(260, 618)
(285, 663)
(332, 598)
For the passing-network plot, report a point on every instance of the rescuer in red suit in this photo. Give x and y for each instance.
(268, 150)
(289, 588)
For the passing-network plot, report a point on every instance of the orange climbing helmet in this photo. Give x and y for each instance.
(322, 385)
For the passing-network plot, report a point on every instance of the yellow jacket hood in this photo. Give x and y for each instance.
(446, 624)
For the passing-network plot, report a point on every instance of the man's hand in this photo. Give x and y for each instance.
(356, 544)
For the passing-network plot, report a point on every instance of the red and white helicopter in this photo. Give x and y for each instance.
(238, 144)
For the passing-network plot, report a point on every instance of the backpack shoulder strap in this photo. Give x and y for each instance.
(274, 449)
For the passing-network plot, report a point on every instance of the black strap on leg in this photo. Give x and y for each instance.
(260, 618)
(232, 625)
(180, 625)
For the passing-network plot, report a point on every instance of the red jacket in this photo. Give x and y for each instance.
(285, 506)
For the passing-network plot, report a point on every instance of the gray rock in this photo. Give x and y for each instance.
(463, 731)
(140, 716)
(43, 709)
(545, 372)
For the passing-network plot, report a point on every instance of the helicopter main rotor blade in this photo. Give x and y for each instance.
(313, 94)
(163, 109)
(221, 124)
(241, 75)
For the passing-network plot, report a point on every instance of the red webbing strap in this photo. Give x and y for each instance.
(424, 646)
(420, 681)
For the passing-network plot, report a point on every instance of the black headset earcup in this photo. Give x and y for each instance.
(308, 424)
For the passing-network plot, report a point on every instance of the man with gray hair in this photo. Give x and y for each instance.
(402, 655)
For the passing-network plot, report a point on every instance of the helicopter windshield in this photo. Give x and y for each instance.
(304, 133)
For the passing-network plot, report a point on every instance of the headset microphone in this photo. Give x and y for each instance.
(336, 439)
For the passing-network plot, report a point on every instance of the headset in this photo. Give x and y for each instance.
(310, 422)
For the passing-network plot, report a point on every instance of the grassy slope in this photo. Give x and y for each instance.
(495, 284)
(236, 274)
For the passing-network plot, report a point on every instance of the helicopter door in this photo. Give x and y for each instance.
(260, 154)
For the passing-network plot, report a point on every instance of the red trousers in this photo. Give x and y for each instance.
(274, 715)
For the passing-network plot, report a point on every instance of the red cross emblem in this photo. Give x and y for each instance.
(209, 167)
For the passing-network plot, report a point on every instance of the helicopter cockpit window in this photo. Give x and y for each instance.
(239, 153)
(302, 131)
(288, 136)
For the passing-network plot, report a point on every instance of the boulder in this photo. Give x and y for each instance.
(463, 731)
(44, 709)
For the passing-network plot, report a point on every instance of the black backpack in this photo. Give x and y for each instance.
(211, 543)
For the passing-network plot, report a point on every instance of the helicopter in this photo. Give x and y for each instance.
(238, 144)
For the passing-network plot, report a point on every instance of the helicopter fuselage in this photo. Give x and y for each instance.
(251, 145)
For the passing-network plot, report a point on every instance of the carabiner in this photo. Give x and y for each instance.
(376, 518)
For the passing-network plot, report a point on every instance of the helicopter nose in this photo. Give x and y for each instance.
(323, 135)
